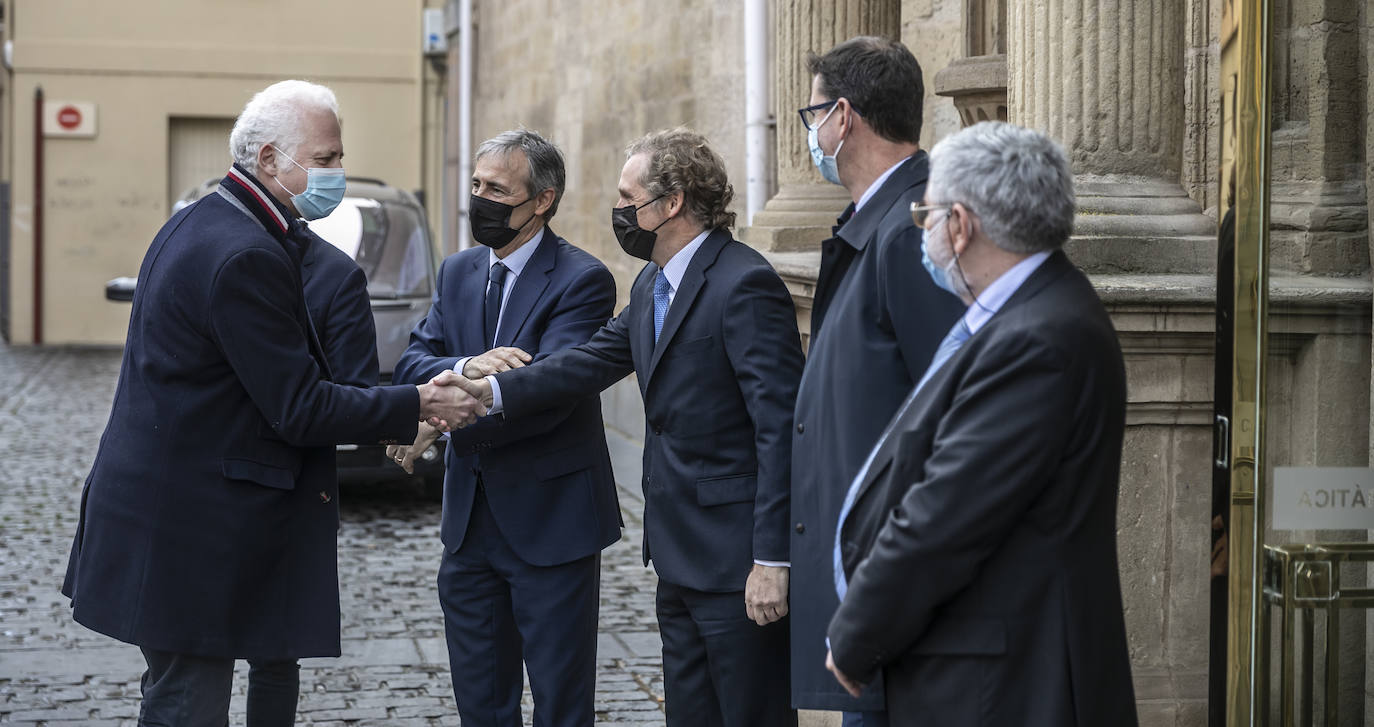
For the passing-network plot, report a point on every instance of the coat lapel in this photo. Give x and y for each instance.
(468, 302)
(529, 286)
(692, 281)
(915, 406)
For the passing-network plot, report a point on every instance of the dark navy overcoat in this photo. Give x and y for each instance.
(209, 519)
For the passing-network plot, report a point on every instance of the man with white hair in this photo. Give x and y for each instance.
(978, 542)
(209, 519)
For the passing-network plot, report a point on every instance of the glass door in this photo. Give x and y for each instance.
(1293, 487)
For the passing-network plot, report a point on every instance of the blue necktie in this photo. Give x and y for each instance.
(661, 291)
(493, 305)
(951, 343)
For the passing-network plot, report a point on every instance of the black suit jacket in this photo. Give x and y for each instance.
(548, 477)
(981, 550)
(882, 321)
(718, 390)
(209, 519)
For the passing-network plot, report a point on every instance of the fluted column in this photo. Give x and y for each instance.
(1106, 80)
(800, 215)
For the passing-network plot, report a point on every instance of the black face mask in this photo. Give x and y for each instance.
(490, 221)
(635, 240)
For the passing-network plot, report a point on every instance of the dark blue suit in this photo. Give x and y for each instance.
(718, 386)
(528, 506)
(209, 519)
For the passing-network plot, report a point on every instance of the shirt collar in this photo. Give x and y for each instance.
(677, 266)
(997, 294)
(516, 261)
(876, 185)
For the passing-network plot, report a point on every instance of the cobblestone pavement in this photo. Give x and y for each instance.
(394, 669)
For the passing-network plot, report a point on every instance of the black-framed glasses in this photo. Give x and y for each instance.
(920, 212)
(808, 114)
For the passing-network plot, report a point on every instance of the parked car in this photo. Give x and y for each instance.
(384, 230)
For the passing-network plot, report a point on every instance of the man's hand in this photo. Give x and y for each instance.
(854, 688)
(494, 361)
(479, 389)
(405, 456)
(448, 407)
(765, 593)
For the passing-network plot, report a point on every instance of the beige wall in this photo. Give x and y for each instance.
(144, 62)
(595, 75)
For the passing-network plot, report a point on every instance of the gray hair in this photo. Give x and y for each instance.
(273, 116)
(543, 157)
(1016, 180)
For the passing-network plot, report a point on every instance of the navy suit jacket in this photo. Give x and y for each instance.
(548, 479)
(981, 549)
(718, 391)
(336, 296)
(209, 519)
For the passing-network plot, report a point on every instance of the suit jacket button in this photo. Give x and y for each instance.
(801, 528)
(800, 427)
(324, 496)
(658, 430)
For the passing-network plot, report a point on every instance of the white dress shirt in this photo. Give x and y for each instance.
(515, 264)
(677, 265)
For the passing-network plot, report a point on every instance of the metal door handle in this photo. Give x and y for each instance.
(1222, 456)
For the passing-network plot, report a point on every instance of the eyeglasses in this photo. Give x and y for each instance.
(808, 114)
(920, 212)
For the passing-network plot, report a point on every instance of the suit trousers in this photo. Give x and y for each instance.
(721, 669)
(182, 690)
(498, 609)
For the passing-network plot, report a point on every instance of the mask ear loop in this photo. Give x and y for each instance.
(646, 204)
(824, 119)
(522, 224)
(960, 269)
(293, 161)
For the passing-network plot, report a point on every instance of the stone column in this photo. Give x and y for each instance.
(1106, 80)
(800, 215)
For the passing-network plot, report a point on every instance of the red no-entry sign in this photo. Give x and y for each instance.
(69, 118)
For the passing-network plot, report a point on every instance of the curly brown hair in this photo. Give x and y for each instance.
(682, 160)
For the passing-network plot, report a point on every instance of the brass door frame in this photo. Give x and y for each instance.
(1247, 643)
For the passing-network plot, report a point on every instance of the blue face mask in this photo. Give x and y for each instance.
(939, 275)
(324, 190)
(824, 163)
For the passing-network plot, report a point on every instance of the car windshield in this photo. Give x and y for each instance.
(388, 242)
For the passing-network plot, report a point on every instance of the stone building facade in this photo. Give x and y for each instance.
(1132, 89)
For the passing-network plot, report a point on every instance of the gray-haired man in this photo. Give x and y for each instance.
(978, 542)
(527, 507)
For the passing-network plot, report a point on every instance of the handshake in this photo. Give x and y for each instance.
(451, 401)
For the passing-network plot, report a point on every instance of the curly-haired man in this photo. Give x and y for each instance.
(711, 332)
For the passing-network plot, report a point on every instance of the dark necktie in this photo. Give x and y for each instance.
(493, 308)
